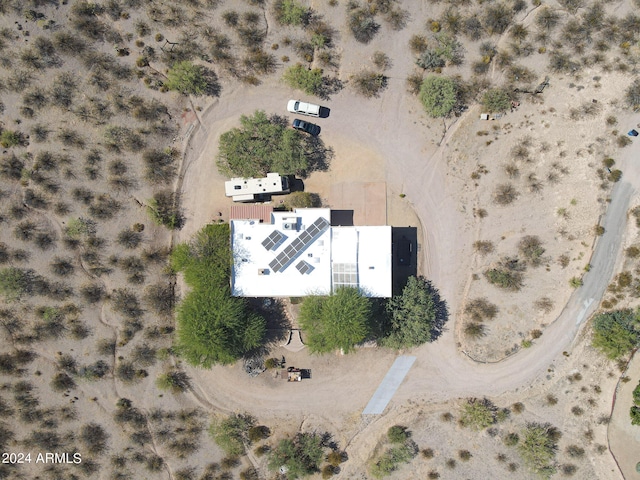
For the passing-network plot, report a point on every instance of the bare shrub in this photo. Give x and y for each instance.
(483, 247)
(474, 330)
(530, 247)
(480, 309)
(369, 84)
(129, 238)
(161, 298)
(505, 194)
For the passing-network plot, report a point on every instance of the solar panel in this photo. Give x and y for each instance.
(303, 267)
(272, 240)
(300, 244)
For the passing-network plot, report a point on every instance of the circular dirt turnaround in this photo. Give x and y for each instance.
(391, 130)
(373, 140)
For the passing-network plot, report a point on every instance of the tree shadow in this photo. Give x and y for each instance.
(319, 156)
(277, 323)
(213, 85)
(330, 86)
(441, 310)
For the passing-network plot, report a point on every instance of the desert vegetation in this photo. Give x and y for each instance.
(213, 326)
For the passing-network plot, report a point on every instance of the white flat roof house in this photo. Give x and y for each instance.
(299, 253)
(247, 189)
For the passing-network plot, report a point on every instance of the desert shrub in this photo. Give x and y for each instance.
(381, 60)
(369, 84)
(496, 100)
(129, 239)
(190, 79)
(464, 455)
(62, 266)
(231, 433)
(562, 63)
(309, 81)
(505, 194)
(362, 24)
(483, 247)
(632, 95)
(15, 282)
(511, 439)
(507, 274)
(61, 382)
(161, 298)
(474, 330)
(94, 437)
(530, 247)
(176, 381)
(93, 292)
(302, 200)
(301, 455)
(398, 434)
(392, 458)
(538, 447)
(9, 138)
(497, 18)
(477, 414)
(164, 208)
(124, 301)
(418, 43)
(290, 12)
(104, 207)
(438, 95)
(480, 309)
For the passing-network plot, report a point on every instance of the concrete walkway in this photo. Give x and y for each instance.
(389, 385)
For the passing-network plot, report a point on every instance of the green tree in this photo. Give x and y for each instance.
(413, 314)
(301, 456)
(308, 80)
(231, 433)
(261, 145)
(290, 12)
(496, 100)
(634, 413)
(190, 79)
(616, 333)
(438, 95)
(213, 326)
(538, 448)
(339, 321)
(302, 200)
(636, 394)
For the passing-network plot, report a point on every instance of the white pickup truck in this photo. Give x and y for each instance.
(302, 108)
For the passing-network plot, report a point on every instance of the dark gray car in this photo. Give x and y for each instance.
(310, 128)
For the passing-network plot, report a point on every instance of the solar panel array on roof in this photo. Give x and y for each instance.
(303, 267)
(297, 246)
(272, 240)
